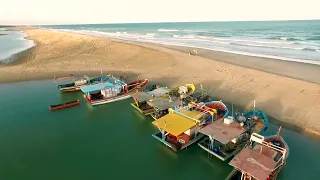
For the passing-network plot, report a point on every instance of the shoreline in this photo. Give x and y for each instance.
(307, 71)
(297, 69)
(63, 53)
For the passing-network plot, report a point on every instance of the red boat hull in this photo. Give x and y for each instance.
(63, 106)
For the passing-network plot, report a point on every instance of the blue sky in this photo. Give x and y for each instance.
(121, 11)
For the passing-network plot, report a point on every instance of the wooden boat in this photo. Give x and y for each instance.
(112, 90)
(71, 83)
(222, 110)
(229, 135)
(64, 105)
(262, 159)
(179, 128)
(141, 99)
(175, 98)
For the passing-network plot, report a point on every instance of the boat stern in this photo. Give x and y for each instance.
(144, 112)
(205, 143)
(158, 136)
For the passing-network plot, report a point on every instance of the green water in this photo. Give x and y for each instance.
(107, 142)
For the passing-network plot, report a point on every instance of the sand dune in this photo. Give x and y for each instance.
(290, 100)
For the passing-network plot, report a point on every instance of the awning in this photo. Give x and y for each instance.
(163, 103)
(142, 96)
(96, 87)
(254, 163)
(176, 124)
(159, 91)
(223, 133)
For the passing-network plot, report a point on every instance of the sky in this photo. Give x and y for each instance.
(33, 12)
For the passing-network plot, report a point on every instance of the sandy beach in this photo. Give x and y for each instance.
(232, 78)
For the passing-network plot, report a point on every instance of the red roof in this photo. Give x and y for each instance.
(222, 132)
(256, 164)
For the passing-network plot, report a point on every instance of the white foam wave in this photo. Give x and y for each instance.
(252, 41)
(245, 53)
(182, 40)
(269, 46)
(168, 30)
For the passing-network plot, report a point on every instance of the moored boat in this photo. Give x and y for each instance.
(112, 90)
(222, 110)
(71, 83)
(262, 159)
(179, 128)
(64, 105)
(175, 98)
(141, 99)
(229, 135)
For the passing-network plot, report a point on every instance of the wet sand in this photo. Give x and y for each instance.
(232, 78)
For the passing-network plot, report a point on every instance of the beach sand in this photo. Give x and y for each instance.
(292, 101)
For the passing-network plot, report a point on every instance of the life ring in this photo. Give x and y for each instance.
(182, 141)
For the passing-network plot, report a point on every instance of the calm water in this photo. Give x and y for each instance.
(108, 141)
(286, 40)
(12, 42)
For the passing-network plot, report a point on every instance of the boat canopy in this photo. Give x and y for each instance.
(222, 132)
(145, 96)
(142, 96)
(96, 87)
(176, 124)
(159, 91)
(164, 103)
(254, 163)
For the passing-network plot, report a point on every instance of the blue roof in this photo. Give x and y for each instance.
(96, 87)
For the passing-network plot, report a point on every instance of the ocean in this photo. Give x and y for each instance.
(12, 42)
(285, 40)
(111, 141)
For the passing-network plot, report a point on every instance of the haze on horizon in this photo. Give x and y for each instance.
(33, 12)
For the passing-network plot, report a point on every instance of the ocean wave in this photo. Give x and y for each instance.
(309, 49)
(284, 38)
(241, 52)
(290, 39)
(251, 41)
(315, 38)
(268, 46)
(213, 34)
(168, 30)
(231, 45)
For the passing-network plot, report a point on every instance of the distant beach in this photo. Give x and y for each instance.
(289, 100)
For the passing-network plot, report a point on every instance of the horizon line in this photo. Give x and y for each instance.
(114, 23)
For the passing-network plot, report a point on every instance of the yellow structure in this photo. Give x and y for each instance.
(176, 124)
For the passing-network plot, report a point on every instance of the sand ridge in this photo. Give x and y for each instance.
(60, 53)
